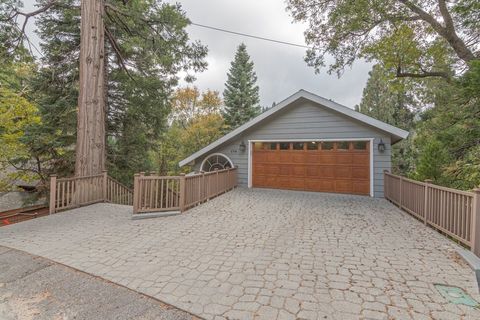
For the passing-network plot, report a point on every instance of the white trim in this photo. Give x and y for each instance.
(313, 140)
(249, 173)
(371, 140)
(372, 192)
(216, 154)
(396, 133)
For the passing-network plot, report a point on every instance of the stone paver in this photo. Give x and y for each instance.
(264, 254)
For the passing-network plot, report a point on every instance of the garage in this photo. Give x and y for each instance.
(326, 166)
(305, 142)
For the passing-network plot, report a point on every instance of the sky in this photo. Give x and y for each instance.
(281, 69)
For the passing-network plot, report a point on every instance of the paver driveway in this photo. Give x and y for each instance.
(264, 254)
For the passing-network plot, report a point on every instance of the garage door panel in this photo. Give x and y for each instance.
(271, 157)
(259, 181)
(312, 157)
(312, 172)
(361, 158)
(260, 156)
(328, 158)
(284, 156)
(296, 183)
(344, 186)
(360, 173)
(272, 169)
(343, 172)
(332, 170)
(327, 172)
(259, 169)
(326, 186)
(298, 157)
(344, 158)
(298, 170)
(284, 170)
(361, 187)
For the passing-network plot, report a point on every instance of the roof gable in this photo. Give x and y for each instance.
(396, 133)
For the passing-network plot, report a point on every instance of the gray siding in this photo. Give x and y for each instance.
(306, 120)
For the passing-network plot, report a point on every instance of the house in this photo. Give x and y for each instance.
(308, 143)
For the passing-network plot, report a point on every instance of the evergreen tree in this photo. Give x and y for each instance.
(137, 97)
(241, 92)
(388, 100)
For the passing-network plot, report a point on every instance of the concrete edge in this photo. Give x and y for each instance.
(472, 260)
(139, 216)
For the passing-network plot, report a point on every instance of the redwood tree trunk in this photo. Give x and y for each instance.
(90, 148)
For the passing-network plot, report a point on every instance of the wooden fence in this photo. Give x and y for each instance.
(178, 193)
(118, 193)
(73, 192)
(453, 212)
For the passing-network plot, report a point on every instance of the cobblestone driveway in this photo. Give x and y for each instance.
(264, 254)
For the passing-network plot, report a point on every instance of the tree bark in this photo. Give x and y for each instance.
(90, 148)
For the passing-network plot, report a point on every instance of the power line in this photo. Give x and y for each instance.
(250, 36)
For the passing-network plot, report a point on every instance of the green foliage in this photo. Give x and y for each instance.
(432, 161)
(146, 48)
(389, 100)
(449, 133)
(196, 122)
(408, 37)
(241, 92)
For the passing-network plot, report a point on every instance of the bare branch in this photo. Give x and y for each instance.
(447, 31)
(424, 74)
(118, 51)
(28, 15)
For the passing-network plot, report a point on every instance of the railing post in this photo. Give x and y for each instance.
(426, 208)
(201, 186)
(385, 184)
(476, 222)
(105, 183)
(216, 182)
(53, 193)
(136, 190)
(401, 191)
(182, 192)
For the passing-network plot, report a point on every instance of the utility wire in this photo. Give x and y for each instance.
(250, 36)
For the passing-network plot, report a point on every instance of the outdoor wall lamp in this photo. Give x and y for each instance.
(242, 147)
(381, 146)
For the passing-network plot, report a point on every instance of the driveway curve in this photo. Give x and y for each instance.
(264, 254)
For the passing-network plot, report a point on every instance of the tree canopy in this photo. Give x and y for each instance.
(412, 38)
(147, 47)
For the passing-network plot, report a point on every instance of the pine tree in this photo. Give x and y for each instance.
(241, 92)
(387, 99)
(150, 39)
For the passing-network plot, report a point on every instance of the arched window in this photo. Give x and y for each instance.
(216, 161)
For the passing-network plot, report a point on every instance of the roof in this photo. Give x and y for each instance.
(396, 133)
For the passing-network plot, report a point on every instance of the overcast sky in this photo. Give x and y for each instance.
(281, 69)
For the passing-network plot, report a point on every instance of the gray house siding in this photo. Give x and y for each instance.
(305, 119)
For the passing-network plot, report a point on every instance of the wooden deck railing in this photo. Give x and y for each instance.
(154, 193)
(73, 192)
(118, 193)
(453, 212)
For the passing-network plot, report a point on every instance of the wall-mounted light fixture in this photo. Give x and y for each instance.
(242, 147)
(381, 146)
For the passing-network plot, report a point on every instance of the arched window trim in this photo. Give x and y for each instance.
(215, 154)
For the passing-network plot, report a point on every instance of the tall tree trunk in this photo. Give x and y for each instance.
(90, 149)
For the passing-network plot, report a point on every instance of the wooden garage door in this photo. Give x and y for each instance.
(342, 166)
